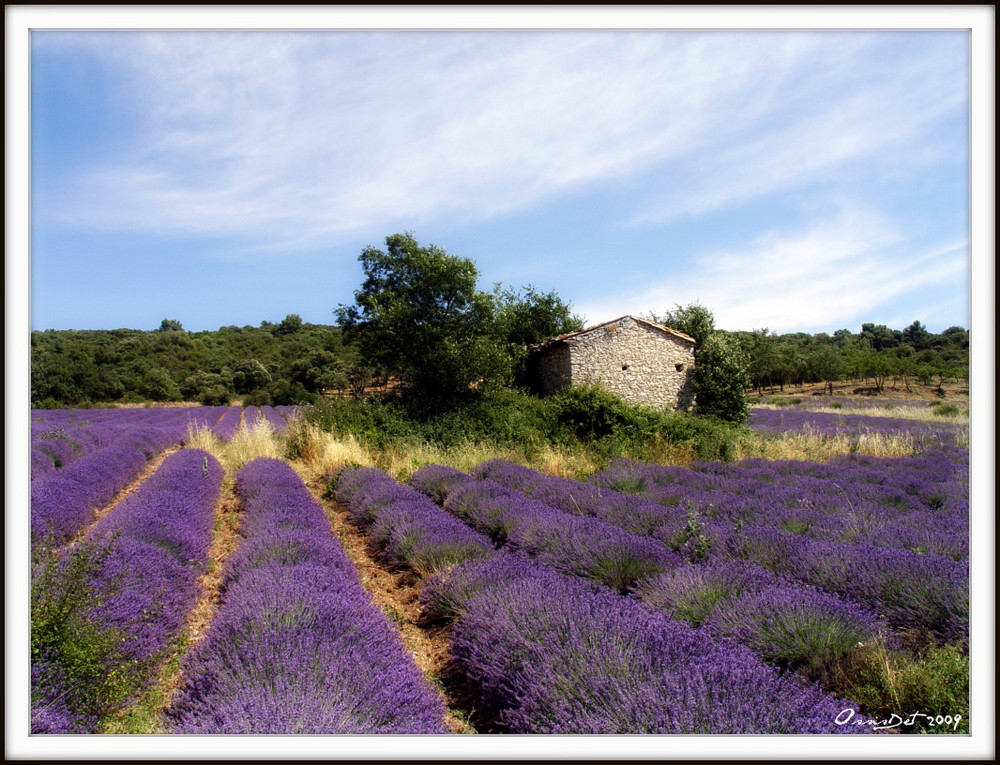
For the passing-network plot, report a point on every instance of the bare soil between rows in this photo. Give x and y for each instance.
(396, 591)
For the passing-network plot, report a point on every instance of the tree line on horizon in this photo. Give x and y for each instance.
(419, 320)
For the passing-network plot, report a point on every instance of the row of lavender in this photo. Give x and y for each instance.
(554, 653)
(297, 646)
(825, 401)
(800, 628)
(919, 504)
(61, 436)
(909, 589)
(81, 458)
(105, 611)
(122, 441)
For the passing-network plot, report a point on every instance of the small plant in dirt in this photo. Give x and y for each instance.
(398, 617)
(693, 543)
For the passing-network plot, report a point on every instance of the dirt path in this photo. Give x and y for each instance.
(397, 591)
(224, 541)
(146, 715)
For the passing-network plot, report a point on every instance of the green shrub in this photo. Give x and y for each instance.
(590, 412)
(215, 396)
(945, 409)
(721, 379)
(587, 417)
(87, 660)
(284, 393)
(257, 398)
(931, 684)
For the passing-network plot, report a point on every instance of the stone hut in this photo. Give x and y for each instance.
(639, 360)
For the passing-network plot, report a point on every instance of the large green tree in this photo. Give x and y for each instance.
(527, 317)
(721, 378)
(419, 317)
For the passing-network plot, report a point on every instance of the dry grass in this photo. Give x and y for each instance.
(903, 412)
(813, 447)
(313, 453)
(248, 444)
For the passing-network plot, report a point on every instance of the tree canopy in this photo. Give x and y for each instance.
(420, 317)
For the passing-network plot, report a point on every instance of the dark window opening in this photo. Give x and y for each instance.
(624, 367)
(679, 367)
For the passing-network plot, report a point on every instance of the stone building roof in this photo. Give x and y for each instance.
(570, 337)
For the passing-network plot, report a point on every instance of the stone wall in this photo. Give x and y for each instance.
(637, 361)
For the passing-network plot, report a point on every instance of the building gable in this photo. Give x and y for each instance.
(639, 360)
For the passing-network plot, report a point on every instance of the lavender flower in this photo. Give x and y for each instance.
(691, 592)
(226, 427)
(552, 654)
(406, 525)
(297, 646)
(582, 546)
(104, 614)
(796, 627)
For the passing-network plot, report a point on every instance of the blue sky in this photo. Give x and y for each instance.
(795, 180)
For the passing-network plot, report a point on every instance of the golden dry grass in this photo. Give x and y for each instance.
(903, 412)
(248, 444)
(812, 447)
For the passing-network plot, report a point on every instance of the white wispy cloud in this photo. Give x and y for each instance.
(843, 268)
(291, 139)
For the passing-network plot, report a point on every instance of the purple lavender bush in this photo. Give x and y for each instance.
(62, 503)
(251, 417)
(848, 499)
(291, 652)
(41, 464)
(912, 591)
(297, 645)
(555, 654)
(691, 592)
(636, 515)
(105, 612)
(437, 481)
(796, 627)
(276, 421)
(405, 524)
(771, 421)
(226, 427)
(575, 545)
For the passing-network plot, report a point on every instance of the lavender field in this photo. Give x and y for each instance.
(756, 597)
